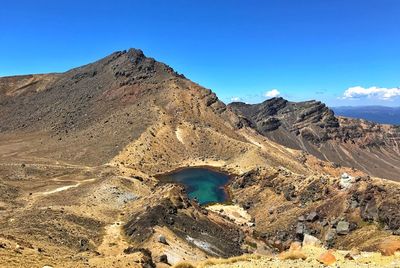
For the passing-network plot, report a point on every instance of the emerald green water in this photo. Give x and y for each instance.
(206, 185)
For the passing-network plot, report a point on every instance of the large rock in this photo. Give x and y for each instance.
(342, 228)
(346, 181)
(330, 235)
(369, 209)
(310, 240)
(389, 246)
(388, 214)
(162, 240)
(327, 258)
(313, 216)
(163, 258)
(300, 228)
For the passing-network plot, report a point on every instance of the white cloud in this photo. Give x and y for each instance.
(272, 93)
(371, 92)
(236, 99)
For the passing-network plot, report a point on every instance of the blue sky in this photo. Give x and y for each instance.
(311, 49)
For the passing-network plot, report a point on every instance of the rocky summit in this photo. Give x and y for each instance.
(82, 153)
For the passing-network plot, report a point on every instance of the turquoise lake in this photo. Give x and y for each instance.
(205, 185)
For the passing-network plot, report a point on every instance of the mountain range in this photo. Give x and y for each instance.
(81, 153)
(377, 114)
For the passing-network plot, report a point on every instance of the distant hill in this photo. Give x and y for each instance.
(378, 114)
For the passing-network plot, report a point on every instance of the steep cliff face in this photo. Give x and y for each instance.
(311, 120)
(311, 126)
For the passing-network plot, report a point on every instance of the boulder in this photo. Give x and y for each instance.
(369, 209)
(313, 216)
(163, 258)
(388, 214)
(310, 240)
(300, 228)
(342, 228)
(389, 246)
(346, 181)
(162, 240)
(330, 237)
(353, 226)
(327, 258)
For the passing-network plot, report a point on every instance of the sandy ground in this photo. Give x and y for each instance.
(234, 212)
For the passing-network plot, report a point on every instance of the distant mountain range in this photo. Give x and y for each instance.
(378, 114)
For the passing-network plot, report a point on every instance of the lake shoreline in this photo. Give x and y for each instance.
(165, 178)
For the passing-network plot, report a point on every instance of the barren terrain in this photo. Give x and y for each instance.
(79, 155)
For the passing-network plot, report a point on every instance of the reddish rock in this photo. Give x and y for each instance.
(389, 246)
(327, 258)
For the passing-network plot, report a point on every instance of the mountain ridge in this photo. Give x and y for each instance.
(80, 152)
(311, 126)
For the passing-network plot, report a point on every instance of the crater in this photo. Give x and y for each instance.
(206, 185)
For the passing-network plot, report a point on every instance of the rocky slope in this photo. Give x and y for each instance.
(79, 155)
(313, 127)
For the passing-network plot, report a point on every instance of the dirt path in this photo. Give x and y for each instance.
(113, 240)
(57, 165)
(111, 250)
(63, 188)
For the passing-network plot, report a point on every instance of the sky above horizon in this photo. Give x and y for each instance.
(342, 52)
